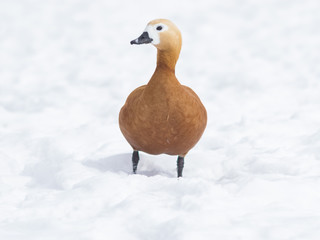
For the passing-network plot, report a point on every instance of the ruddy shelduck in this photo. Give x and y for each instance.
(163, 116)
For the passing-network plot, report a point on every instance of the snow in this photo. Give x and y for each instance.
(66, 68)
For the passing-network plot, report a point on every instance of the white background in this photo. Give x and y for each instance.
(66, 68)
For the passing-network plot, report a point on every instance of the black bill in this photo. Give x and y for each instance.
(143, 39)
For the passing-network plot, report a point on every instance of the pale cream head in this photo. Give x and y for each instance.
(165, 34)
(166, 37)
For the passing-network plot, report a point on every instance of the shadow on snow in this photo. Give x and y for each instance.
(148, 165)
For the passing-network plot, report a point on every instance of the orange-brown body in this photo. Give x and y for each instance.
(163, 116)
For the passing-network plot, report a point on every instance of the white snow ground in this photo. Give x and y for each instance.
(66, 68)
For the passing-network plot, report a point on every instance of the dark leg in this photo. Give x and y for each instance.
(135, 161)
(180, 164)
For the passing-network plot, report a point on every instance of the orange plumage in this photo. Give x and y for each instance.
(163, 116)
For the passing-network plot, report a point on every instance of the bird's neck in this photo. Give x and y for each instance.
(168, 58)
(164, 74)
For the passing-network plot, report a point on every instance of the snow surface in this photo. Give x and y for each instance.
(66, 68)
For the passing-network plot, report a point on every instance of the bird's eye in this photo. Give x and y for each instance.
(159, 28)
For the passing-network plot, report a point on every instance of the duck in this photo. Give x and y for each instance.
(163, 116)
